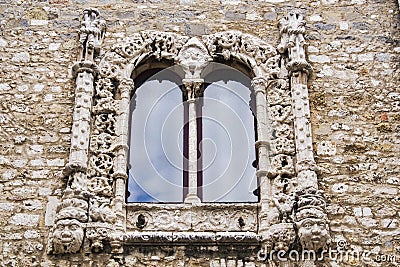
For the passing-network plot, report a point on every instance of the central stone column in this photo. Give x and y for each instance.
(192, 90)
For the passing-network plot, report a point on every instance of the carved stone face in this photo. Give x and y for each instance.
(67, 236)
(313, 233)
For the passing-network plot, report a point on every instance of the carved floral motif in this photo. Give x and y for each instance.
(281, 236)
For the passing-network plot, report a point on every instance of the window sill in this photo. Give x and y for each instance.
(202, 217)
(200, 238)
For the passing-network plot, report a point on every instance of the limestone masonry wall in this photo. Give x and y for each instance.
(353, 47)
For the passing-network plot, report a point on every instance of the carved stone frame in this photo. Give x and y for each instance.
(94, 200)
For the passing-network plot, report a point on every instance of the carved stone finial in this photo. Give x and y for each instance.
(292, 41)
(91, 35)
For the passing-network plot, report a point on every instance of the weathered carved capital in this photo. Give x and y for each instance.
(126, 87)
(193, 88)
(84, 66)
(259, 85)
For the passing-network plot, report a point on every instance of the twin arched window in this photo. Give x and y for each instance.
(160, 138)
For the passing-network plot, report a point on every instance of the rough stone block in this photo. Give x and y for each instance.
(25, 219)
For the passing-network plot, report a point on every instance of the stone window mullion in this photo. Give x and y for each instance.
(192, 88)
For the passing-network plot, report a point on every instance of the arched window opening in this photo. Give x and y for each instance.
(159, 138)
(228, 135)
(156, 139)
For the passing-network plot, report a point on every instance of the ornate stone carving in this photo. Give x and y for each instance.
(284, 203)
(281, 164)
(292, 41)
(72, 213)
(100, 210)
(67, 237)
(100, 186)
(91, 35)
(164, 44)
(213, 217)
(190, 237)
(104, 92)
(193, 57)
(294, 200)
(67, 234)
(97, 234)
(104, 123)
(281, 236)
(282, 146)
(100, 165)
(102, 143)
(95, 195)
(245, 48)
(279, 93)
(311, 220)
(281, 113)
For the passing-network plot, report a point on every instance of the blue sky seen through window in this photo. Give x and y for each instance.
(227, 145)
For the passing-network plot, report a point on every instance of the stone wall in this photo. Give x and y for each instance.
(353, 46)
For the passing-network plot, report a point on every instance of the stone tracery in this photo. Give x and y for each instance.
(94, 199)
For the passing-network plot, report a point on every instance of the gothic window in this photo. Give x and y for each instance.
(197, 108)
